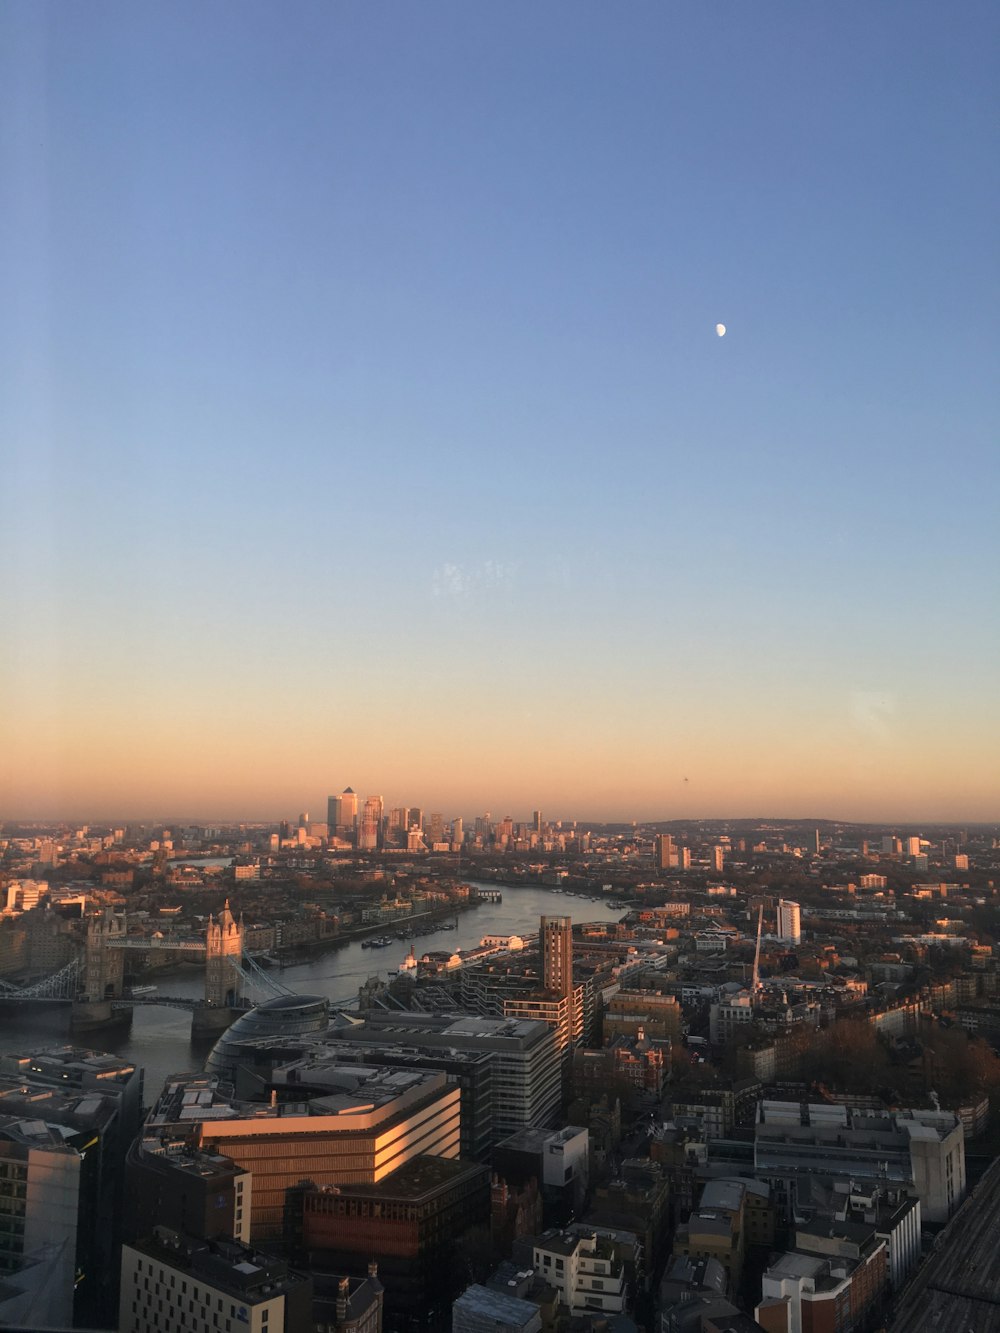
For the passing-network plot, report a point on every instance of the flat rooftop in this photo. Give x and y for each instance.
(497, 1306)
(194, 1099)
(416, 1180)
(536, 1140)
(226, 1265)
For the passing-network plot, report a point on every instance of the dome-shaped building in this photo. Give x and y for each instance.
(288, 1016)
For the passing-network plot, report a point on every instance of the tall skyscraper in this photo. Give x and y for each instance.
(556, 938)
(397, 826)
(343, 813)
(537, 819)
(663, 851)
(457, 833)
(789, 922)
(370, 828)
(557, 953)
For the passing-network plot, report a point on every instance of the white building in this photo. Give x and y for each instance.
(583, 1269)
(789, 922)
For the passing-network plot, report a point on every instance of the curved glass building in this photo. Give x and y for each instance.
(276, 1020)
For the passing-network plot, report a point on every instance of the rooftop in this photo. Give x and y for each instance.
(191, 1099)
(496, 1305)
(225, 1265)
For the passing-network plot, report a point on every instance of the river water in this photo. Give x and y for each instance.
(160, 1041)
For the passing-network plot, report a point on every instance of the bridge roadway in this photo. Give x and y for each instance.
(957, 1287)
(175, 946)
(170, 1002)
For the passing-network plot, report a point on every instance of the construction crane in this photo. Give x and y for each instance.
(755, 983)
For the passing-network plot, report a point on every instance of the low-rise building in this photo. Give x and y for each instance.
(482, 1310)
(834, 1281)
(583, 1269)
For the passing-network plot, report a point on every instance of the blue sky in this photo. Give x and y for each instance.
(367, 422)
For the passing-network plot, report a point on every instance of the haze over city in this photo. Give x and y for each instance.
(366, 420)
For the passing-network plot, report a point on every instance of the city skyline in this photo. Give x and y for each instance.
(367, 413)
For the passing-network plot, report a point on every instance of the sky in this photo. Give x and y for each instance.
(364, 421)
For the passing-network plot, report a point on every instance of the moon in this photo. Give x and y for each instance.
(720, 330)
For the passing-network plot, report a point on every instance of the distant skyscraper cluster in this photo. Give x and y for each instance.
(369, 827)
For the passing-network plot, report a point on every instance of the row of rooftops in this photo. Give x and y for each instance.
(87, 1110)
(807, 1120)
(73, 1064)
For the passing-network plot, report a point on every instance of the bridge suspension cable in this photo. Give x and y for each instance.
(255, 976)
(62, 985)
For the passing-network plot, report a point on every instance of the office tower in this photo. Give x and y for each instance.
(789, 922)
(663, 851)
(436, 831)
(171, 1283)
(913, 846)
(363, 1131)
(457, 834)
(537, 821)
(416, 817)
(96, 1101)
(314, 1067)
(525, 1084)
(718, 859)
(39, 1213)
(370, 828)
(344, 815)
(684, 858)
(397, 826)
(505, 830)
(483, 826)
(304, 819)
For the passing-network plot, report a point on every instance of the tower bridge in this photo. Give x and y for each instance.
(95, 980)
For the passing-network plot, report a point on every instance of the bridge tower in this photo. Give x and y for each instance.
(104, 967)
(223, 954)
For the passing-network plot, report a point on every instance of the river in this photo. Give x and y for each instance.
(160, 1038)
